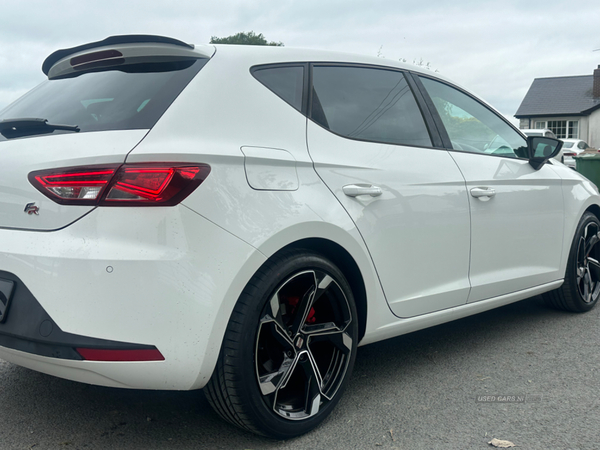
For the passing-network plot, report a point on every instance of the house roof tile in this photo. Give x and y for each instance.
(559, 96)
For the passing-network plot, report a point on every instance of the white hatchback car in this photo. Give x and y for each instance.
(572, 147)
(240, 219)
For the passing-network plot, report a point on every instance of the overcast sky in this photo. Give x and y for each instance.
(493, 48)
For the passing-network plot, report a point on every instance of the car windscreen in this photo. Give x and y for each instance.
(130, 97)
(567, 144)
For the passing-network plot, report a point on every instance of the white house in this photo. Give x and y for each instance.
(569, 106)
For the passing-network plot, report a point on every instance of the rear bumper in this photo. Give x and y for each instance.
(31, 330)
(123, 278)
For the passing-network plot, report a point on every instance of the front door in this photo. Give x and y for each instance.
(516, 211)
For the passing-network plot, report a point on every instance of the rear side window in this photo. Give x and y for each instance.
(285, 81)
(368, 104)
(131, 97)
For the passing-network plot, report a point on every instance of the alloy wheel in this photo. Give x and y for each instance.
(588, 263)
(303, 345)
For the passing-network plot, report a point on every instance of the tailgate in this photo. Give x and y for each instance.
(22, 206)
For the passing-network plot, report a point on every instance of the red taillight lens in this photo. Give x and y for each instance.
(120, 185)
(569, 154)
(83, 186)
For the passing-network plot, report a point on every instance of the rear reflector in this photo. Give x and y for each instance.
(92, 354)
(156, 184)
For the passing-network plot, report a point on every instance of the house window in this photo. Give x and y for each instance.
(558, 127)
(573, 129)
(564, 128)
(540, 125)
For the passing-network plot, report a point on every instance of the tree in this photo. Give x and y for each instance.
(244, 38)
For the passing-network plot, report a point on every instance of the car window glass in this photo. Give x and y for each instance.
(567, 144)
(367, 104)
(129, 97)
(471, 126)
(286, 82)
(582, 145)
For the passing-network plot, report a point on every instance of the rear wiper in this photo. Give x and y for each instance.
(14, 128)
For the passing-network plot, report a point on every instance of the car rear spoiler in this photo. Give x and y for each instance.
(116, 50)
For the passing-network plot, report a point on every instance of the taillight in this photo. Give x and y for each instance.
(569, 154)
(156, 184)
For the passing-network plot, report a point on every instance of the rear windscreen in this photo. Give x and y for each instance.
(131, 97)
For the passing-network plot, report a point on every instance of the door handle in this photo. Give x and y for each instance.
(483, 193)
(354, 190)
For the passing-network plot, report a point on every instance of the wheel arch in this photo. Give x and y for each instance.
(594, 209)
(346, 263)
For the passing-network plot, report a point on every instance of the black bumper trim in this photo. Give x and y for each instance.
(29, 328)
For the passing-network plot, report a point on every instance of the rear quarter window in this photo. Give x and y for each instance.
(285, 81)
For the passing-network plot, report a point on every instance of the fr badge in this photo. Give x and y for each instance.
(30, 209)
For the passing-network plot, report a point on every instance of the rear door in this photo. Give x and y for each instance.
(517, 212)
(370, 144)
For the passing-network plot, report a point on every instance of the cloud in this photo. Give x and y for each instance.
(494, 48)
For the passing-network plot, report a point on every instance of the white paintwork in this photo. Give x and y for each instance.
(511, 231)
(391, 329)
(171, 273)
(270, 169)
(19, 157)
(422, 266)
(178, 271)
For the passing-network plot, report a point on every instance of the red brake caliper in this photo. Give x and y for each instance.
(293, 302)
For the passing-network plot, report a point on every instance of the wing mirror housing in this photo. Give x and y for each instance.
(540, 149)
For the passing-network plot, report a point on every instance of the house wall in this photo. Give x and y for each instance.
(594, 130)
(584, 128)
(583, 124)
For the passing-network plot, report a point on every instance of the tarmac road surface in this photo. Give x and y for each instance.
(521, 373)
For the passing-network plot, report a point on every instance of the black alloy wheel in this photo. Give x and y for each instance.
(581, 290)
(289, 347)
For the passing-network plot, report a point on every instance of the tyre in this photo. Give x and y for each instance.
(581, 289)
(289, 347)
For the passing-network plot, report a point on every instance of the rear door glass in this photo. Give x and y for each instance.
(369, 104)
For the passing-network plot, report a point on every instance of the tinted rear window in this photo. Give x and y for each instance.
(368, 104)
(134, 97)
(287, 82)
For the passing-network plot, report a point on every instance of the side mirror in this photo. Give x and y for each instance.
(541, 149)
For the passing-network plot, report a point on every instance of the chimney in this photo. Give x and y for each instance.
(596, 90)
